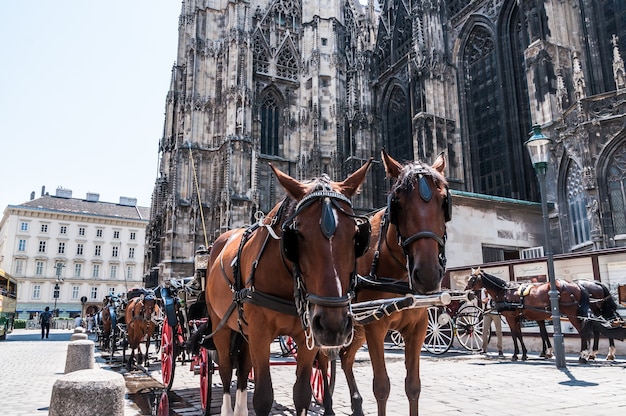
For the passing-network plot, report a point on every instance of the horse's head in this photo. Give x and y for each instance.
(475, 281)
(419, 206)
(321, 239)
(149, 304)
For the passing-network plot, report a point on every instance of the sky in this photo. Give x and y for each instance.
(82, 96)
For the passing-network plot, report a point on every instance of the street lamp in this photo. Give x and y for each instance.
(59, 266)
(539, 148)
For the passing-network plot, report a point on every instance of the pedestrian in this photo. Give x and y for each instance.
(44, 319)
(90, 322)
(490, 314)
(78, 322)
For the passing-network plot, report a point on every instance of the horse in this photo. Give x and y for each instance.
(109, 318)
(532, 302)
(291, 273)
(140, 326)
(406, 255)
(602, 305)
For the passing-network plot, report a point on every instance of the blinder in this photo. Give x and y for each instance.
(289, 244)
(362, 238)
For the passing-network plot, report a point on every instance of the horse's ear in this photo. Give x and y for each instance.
(351, 184)
(392, 166)
(440, 163)
(294, 188)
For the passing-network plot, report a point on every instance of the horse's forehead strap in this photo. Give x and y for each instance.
(322, 194)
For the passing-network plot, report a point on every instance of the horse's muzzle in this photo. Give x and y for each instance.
(331, 326)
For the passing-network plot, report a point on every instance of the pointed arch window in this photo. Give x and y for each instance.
(261, 56)
(485, 115)
(399, 137)
(286, 66)
(577, 205)
(270, 124)
(403, 33)
(617, 190)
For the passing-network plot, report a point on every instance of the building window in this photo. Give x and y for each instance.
(114, 253)
(21, 245)
(79, 249)
(399, 138)
(39, 268)
(116, 234)
(78, 269)
(63, 230)
(577, 205)
(113, 274)
(95, 271)
(98, 250)
(617, 190)
(42, 246)
(129, 272)
(44, 228)
(270, 123)
(19, 267)
(36, 291)
(61, 248)
(133, 235)
(99, 233)
(24, 226)
(94, 293)
(131, 253)
(75, 292)
(81, 231)
(111, 291)
(324, 41)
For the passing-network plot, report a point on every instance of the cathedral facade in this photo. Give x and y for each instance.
(318, 87)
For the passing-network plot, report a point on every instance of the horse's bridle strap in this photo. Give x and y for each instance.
(330, 301)
(423, 234)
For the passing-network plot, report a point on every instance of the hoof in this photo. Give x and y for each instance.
(514, 358)
(524, 358)
(582, 360)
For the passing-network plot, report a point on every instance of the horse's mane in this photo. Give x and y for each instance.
(412, 169)
(494, 282)
(287, 206)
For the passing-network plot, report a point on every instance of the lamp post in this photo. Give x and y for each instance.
(539, 148)
(59, 266)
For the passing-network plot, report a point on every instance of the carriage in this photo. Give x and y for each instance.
(461, 319)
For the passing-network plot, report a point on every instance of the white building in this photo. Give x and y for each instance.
(88, 247)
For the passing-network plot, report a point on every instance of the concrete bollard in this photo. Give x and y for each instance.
(78, 335)
(88, 392)
(80, 355)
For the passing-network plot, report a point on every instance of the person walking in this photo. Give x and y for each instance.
(490, 314)
(44, 320)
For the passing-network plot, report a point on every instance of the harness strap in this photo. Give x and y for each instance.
(383, 284)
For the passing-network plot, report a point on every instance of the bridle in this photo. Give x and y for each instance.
(426, 195)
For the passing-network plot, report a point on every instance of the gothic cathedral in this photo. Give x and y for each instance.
(318, 87)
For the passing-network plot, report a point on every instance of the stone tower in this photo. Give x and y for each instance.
(317, 87)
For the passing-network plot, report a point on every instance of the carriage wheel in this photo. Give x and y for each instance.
(440, 332)
(164, 405)
(168, 355)
(207, 367)
(469, 328)
(396, 338)
(317, 381)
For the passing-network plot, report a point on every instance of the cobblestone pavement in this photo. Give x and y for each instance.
(454, 383)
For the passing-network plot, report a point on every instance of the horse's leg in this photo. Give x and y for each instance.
(241, 395)
(347, 362)
(304, 369)
(376, 348)
(545, 340)
(222, 344)
(584, 339)
(263, 397)
(611, 355)
(323, 362)
(413, 341)
(594, 347)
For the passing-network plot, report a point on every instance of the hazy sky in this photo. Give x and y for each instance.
(82, 95)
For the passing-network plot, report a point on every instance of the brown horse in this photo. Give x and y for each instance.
(406, 256)
(532, 302)
(292, 274)
(140, 326)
